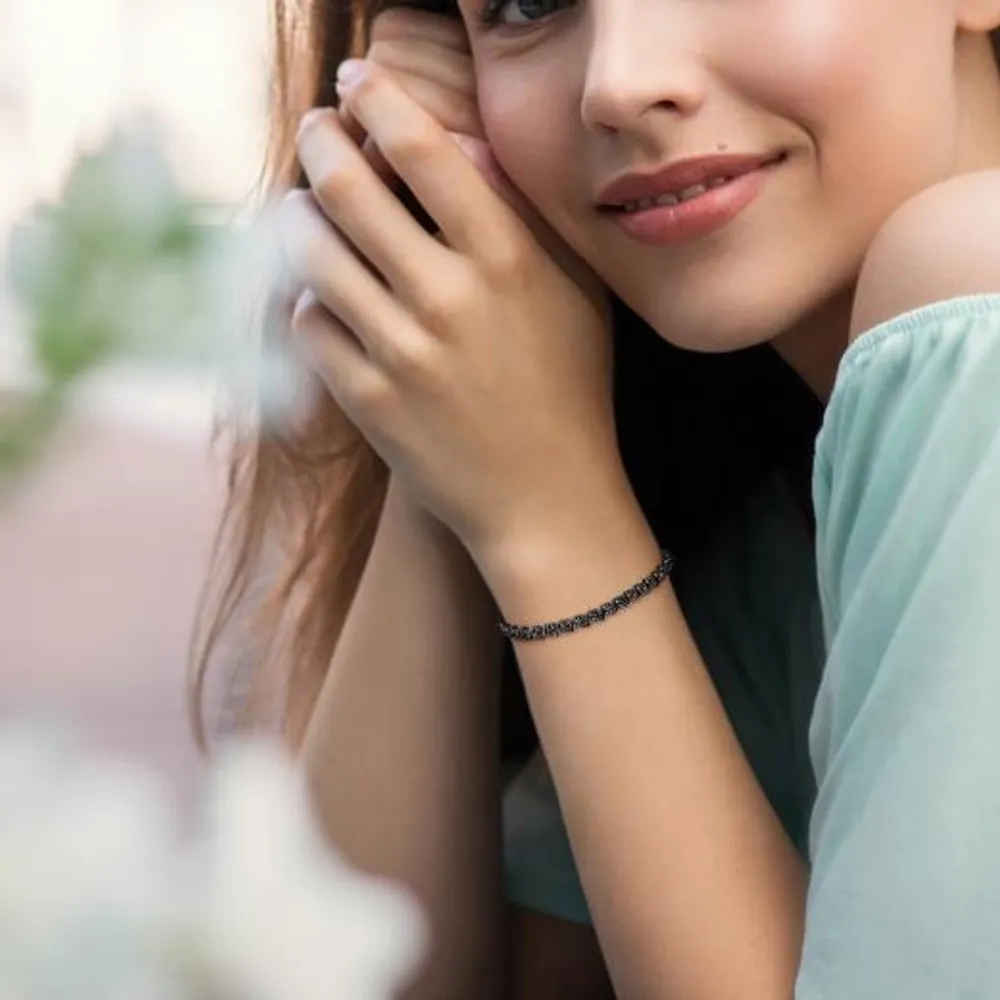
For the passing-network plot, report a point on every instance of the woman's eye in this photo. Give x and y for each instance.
(519, 12)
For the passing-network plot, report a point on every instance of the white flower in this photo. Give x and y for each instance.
(85, 884)
(245, 273)
(97, 902)
(283, 916)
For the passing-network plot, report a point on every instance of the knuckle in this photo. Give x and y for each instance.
(372, 394)
(442, 307)
(507, 257)
(414, 358)
(337, 184)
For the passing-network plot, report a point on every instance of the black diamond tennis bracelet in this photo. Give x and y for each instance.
(528, 633)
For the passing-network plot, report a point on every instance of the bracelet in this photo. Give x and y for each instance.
(528, 633)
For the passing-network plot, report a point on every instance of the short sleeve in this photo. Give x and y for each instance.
(904, 838)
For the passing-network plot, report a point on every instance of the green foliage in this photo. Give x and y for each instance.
(124, 266)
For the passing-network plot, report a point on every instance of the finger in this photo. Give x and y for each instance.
(440, 66)
(362, 207)
(408, 25)
(449, 187)
(354, 129)
(477, 151)
(322, 261)
(454, 108)
(335, 355)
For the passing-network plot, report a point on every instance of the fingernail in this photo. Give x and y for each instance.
(349, 73)
(310, 120)
(319, 147)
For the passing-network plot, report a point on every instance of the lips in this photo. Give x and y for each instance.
(680, 176)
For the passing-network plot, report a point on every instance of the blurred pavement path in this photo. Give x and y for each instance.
(102, 555)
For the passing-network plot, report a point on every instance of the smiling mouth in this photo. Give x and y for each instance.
(685, 216)
(690, 193)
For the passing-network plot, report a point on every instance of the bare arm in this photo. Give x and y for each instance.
(401, 753)
(401, 756)
(402, 748)
(695, 889)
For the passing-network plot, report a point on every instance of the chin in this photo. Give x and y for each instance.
(716, 317)
(715, 327)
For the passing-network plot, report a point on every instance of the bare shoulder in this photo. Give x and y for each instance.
(942, 243)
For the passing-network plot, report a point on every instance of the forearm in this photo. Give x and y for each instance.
(402, 749)
(695, 889)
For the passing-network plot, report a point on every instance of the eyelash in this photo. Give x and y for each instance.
(489, 16)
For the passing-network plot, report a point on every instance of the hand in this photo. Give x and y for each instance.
(428, 56)
(476, 366)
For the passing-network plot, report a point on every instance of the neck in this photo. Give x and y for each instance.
(978, 100)
(813, 347)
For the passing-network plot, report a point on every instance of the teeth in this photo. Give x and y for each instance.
(693, 191)
(672, 199)
(643, 203)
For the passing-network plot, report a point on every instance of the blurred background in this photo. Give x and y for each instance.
(103, 543)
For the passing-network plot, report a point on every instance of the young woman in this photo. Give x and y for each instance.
(770, 768)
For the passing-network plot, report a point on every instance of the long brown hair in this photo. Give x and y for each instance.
(300, 509)
(697, 433)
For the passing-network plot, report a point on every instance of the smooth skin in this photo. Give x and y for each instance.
(705, 897)
(473, 450)
(400, 752)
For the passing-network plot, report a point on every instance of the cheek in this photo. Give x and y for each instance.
(820, 60)
(506, 102)
(869, 83)
(529, 125)
(835, 66)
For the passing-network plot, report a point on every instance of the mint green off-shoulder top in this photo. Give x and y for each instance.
(861, 671)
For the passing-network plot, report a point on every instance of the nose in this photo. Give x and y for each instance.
(642, 58)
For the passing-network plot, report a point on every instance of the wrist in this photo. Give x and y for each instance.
(575, 562)
(414, 527)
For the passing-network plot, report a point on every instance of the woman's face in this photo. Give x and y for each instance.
(854, 100)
